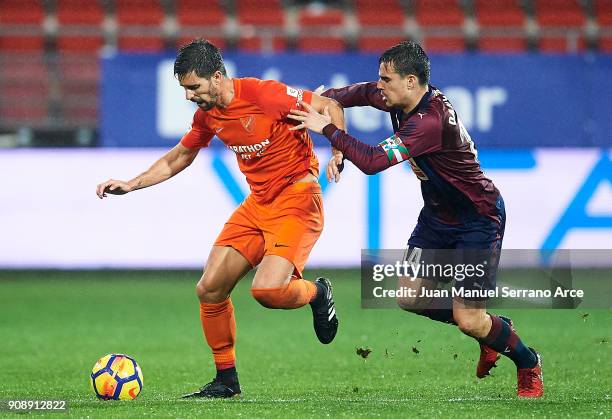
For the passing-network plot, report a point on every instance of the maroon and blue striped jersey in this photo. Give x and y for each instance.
(432, 139)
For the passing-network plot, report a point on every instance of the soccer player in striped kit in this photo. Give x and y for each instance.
(463, 209)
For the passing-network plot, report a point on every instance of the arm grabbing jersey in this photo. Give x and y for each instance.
(416, 136)
(440, 152)
(359, 94)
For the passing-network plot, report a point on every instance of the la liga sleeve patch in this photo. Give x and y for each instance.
(395, 149)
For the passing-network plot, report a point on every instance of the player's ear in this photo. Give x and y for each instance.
(217, 76)
(411, 81)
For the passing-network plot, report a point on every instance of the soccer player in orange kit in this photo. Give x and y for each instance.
(276, 226)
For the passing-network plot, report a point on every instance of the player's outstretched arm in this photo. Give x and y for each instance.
(167, 166)
(368, 159)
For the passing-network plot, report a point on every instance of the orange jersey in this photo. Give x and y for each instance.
(255, 127)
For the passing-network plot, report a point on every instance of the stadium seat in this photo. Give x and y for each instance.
(321, 29)
(140, 25)
(260, 12)
(192, 12)
(603, 12)
(21, 25)
(379, 13)
(196, 21)
(381, 24)
(20, 43)
(21, 12)
(561, 23)
(262, 43)
(438, 13)
(262, 25)
(80, 26)
(499, 13)
(603, 16)
(441, 22)
(501, 25)
(378, 44)
(79, 12)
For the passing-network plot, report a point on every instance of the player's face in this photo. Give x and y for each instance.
(394, 87)
(202, 91)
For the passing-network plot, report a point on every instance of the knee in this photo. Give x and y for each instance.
(470, 325)
(209, 293)
(408, 304)
(267, 297)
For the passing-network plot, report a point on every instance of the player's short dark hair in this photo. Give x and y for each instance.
(408, 58)
(199, 56)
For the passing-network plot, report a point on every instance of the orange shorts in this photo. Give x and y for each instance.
(289, 226)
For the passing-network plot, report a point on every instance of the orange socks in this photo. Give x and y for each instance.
(219, 327)
(297, 293)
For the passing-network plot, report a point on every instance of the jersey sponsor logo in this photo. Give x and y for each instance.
(395, 149)
(248, 123)
(245, 151)
(421, 114)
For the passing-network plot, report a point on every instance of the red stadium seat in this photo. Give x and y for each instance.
(140, 25)
(259, 43)
(321, 29)
(262, 23)
(13, 109)
(139, 12)
(22, 43)
(559, 13)
(378, 44)
(79, 12)
(438, 13)
(603, 12)
(21, 25)
(501, 25)
(192, 12)
(561, 23)
(382, 24)
(21, 12)
(501, 44)
(499, 13)
(319, 44)
(379, 12)
(442, 24)
(83, 44)
(443, 44)
(141, 43)
(562, 44)
(260, 12)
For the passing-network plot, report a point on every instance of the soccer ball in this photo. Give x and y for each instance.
(116, 377)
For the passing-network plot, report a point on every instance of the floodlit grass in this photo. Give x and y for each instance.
(54, 325)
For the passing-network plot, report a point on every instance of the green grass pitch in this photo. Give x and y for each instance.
(54, 325)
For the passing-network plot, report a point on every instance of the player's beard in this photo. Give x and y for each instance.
(214, 98)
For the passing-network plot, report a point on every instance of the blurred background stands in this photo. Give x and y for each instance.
(50, 49)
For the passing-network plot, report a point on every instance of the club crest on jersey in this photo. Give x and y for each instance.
(296, 93)
(248, 123)
(395, 149)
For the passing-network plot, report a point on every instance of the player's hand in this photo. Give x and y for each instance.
(310, 118)
(113, 187)
(319, 89)
(335, 166)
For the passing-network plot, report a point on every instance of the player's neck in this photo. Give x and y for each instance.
(415, 99)
(227, 92)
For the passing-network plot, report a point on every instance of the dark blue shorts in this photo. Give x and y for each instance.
(455, 247)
